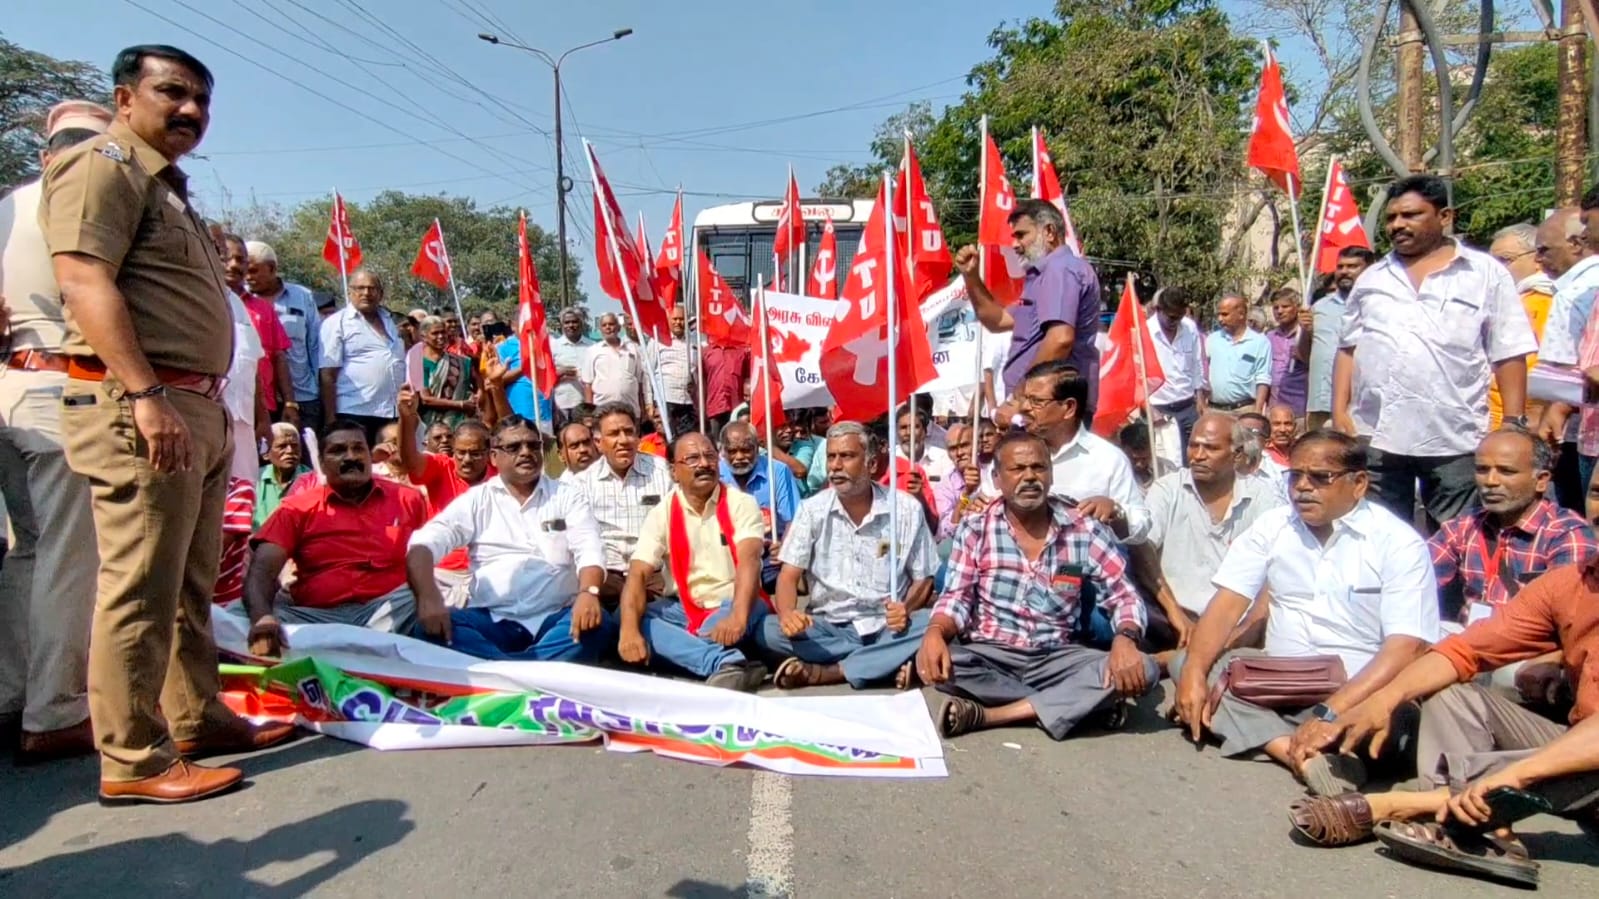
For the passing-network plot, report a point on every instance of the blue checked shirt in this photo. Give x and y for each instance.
(994, 594)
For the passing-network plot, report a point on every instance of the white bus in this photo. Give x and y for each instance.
(738, 237)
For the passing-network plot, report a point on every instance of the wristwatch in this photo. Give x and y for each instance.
(1130, 634)
(1322, 712)
(1519, 421)
(592, 591)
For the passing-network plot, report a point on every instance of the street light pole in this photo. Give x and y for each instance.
(562, 183)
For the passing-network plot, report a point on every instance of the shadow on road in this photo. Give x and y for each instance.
(299, 855)
(699, 889)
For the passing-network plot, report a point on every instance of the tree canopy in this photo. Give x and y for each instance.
(31, 83)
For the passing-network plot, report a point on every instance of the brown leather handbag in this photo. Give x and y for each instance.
(1280, 683)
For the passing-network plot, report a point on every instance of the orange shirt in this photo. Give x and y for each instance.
(1559, 611)
(1537, 303)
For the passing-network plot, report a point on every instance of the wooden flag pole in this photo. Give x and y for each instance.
(767, 369)
(1139, 324)
(893, 386)
(982, 275)
(1321, 217)
(449, 271)
(338, 233)
(1299, 241)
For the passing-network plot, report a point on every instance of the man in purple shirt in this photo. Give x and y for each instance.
(1058, 314)
(1290, 351)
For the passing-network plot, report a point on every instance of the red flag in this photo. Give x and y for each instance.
(341, 242)
(1046, 187)
(1121, 391)
(790, 223)
(624, 270)
(531, 328)
(722, 320)
(662, 283)
(1271, 142)
(1002, 270)
(432, 263)
(1340, 220)
(669, 265)
(855, 353)
(929, 254)
(765, 382)
(824, 273)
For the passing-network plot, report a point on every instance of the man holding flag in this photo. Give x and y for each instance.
(1058, 314)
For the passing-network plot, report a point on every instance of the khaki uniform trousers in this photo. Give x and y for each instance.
(47, 584)
(152, 660)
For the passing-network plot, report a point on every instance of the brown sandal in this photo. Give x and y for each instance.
(906, 678)
(959, 716)
(791, 674)
(1433, 845)
(1342, 820)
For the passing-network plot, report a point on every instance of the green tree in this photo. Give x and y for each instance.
(888, 147)
(31, 83)
(482, 246)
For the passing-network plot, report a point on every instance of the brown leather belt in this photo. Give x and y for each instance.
(90, 368)
(36, 360)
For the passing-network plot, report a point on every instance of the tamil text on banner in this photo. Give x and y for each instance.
(392, 692)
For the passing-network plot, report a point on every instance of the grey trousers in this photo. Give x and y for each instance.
(394, 612)
(1064, 685)
(1468, 732)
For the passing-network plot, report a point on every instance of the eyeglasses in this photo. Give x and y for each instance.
(1506, 260)
(1316, 478)
(1023, 401)
(513, 447)
(697, 459)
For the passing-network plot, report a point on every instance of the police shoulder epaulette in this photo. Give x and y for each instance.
(113, 151)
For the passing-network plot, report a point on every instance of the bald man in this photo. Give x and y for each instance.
(612, 371)
(1516, 248)
(1566, 257)
(1240, 360)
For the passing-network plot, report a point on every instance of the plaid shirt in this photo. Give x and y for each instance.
(619, 504)
(1545, 538)
(995, 595)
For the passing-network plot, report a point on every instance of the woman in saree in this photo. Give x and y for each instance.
(449, 382)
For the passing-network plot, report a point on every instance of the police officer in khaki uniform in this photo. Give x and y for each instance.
(149, 338)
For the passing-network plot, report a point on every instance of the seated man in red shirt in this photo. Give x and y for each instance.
(348, 540)
(443, 477)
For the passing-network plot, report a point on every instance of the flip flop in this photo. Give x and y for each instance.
(1332, 820)
(959, 716)
(1429, 844)
(790, 674)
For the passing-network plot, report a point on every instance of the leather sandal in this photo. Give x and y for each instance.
(1332, 820)
(959, 716)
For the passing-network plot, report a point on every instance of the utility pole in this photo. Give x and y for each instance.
(1571, 123)
(1410, 52)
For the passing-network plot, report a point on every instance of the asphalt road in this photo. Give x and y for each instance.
(1135, 813)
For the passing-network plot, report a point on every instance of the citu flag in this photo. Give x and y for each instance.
(625, 272)
(1002, 269)
(669, 264)
(823, 282)
(856, 352)
(532, 331)
(1046, 187)
(766, 385)
(1271, 140)
(341, 249)
(722, 320)
(1121, 391)
(1341, 226)
(432, 263)
(661, 283)
(916, 220)
(790, 223)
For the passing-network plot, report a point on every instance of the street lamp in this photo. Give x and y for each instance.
(562, 183)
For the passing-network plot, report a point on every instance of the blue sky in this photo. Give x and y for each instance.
(687, 99)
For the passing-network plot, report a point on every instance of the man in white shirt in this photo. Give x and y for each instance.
(1565, 255)
(914, 445)
(853, 629)
(363, 359)
(1088, 469)
(676, 365)
(1327, 323)
(537, 561)
(1176, 340)
(1426, 327)
(612, 371)
(1346, 579)
(1195, 514)
(622, 486)
(569, 348)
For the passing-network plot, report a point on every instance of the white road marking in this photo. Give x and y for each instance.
(771, 836)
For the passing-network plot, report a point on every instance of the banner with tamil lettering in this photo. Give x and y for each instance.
(396, 693)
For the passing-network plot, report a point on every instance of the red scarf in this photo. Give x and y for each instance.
(677, 549)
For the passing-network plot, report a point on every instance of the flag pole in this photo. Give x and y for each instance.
(1299, 242)
(793, 276)
(767, 369)
(1321, 218)
(910, 266)
(455, 292)
(982, 275)
(528, 368)
(627, 290)
(1038, 184)
(893, 387)
(649, 348)
(699, 319)
(1139, 324)
(338, 232)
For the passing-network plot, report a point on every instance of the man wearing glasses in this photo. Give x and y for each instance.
(537, 561)
(1516, 248)
(1346, 579)
(363, 359)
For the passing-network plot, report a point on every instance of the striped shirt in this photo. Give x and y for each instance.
(620, 502)
(995, 594)
(236, 527)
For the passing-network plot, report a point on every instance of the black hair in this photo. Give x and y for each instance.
(69, 137)
(1018, 436)
(1590, 200)
(1173, 299)
(610, 409)
(1069, 383)
(1254, 416)
(476, 424)
(1361, 253)
(1041, 213)
(496, 330)
(671, 448)
(908, 409)
(1350, 455)
(584, 411)
(1429, 187)
(561, 437)
(1134, 436)
(129, 64)
(1543, 458)
(340, 424)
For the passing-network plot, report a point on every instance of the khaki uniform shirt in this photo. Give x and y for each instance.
(117, 199)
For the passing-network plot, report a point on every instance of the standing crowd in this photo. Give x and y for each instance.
(1376, 558)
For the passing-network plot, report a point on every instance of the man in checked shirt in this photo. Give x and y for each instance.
(1016, 586)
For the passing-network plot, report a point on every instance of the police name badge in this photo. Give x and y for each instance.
(113, 151)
